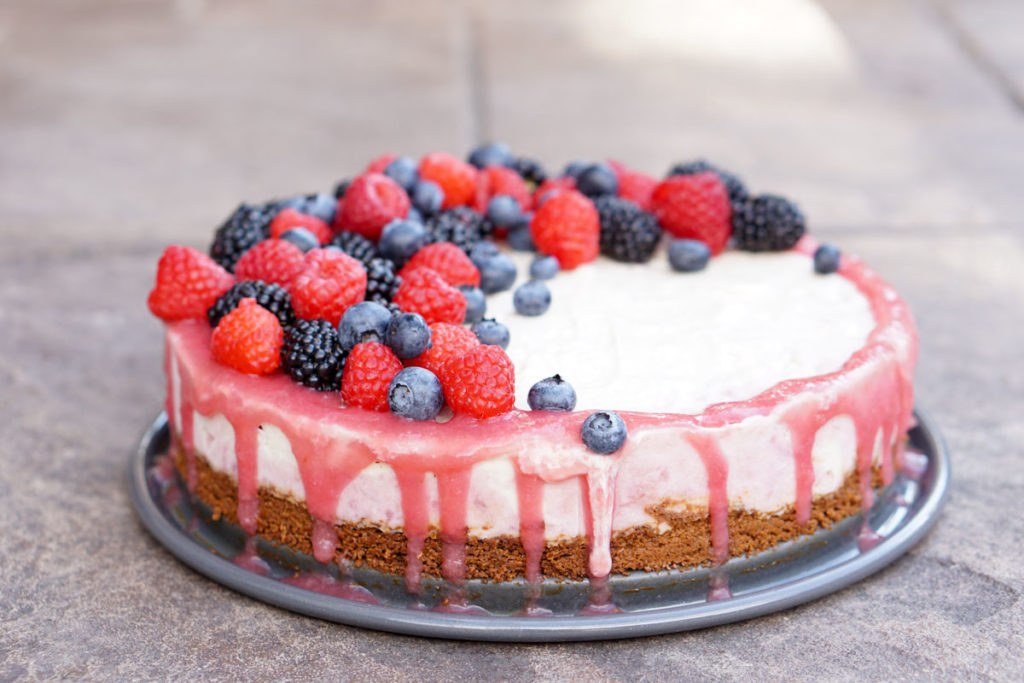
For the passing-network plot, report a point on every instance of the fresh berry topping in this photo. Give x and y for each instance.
(497, 180)
(567, 227)
(243, 229)
(425, 292)
(380, 163)
(483, 250)
(490, 331)
(520, 239)
(447, 341)
(461, 226)
(695, 207)
(637, 187)
(597, 180)
(628, 233)
(427, 196)
(767, 223)
(286, 219)
(543, 268)
(554, 394)
(448, 261)
(480, 383)
(367, 376)
(826, 259)
(531, 170)
(734, 187)
(408, 335)
(497, 272)
(603, 432)
(456, 178)
(688, 256)
(270, 296)
(532, 298)
(320, 205)
(330, 282)
(340, 188)
(355, 245)
(504, 211)
(414, 216)
(248, 339)
(403, 171)
(574, 168)
(476, 303)
(401, 239)
(312, 354)
(416, 394)
(381, 281)
(271, 260)
(188, 282)
(302, 238)
(370, 203)
(491, 154)
(550, 187)
(366, 321)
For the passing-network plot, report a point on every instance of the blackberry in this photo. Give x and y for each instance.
(355, 245)
(270, 296)
(312, 354)
(530, 170)
(628, 233)
(461, 225)
(339, 189)
(767, 223)
(243, 229)
(381, 281)
(733, 185)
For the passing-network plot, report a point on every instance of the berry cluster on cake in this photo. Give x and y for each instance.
(472, 369)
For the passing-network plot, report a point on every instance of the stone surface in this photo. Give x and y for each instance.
(126, 126)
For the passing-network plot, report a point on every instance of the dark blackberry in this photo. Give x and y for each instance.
(355, 245)
(270, 296)
(312, 354)
(381, 281)
(243, 229)
(461, 225)
(530, 170)
(767, 223)
(339, 189)
(628, 233)
(733, 185)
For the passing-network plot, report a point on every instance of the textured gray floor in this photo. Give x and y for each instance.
(125, 126)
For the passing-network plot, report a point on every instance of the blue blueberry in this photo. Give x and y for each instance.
(688, 256)
(544, 268)
(492, 154)
(408, 335)
(365, 321)
(574, 168)
(497, 273)
(490, 331)
(400, 239)
(553, 393)
(302, 238)
(826, 259)
(403, 171)
(322, 205)
(483, 250)
(415, 393)
(597, 180)
(520, 238)
(532, 298)
(427, 196)
(476, 303)
(504, 211)
(414, 215)
(603, 432)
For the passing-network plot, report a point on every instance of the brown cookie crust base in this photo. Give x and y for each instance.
(685, 543)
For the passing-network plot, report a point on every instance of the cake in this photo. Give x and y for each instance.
(699, 379)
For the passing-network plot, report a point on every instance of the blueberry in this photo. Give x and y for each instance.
(321, 205)
(365, 321)
(403, 171)
(414, 215)
(553, 393)
(427, 196)
(302, 238)
(603, 432)
(574, 168)
(826, 259)
(490, 331)
(400, 239)
(497, 273)
(416, 393)
(532, 298)
(476, 303)
(504, 211)
(596, 180)
(408, 335)
(492, 154)
(544, 268)
(520, 239)
(688, 256)
(483, 250)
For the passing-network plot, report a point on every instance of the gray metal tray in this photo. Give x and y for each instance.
(649, 602)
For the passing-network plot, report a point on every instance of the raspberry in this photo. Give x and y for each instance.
(480, 383)
(380, 163)
(248, 339)
(370, 203)
(330, 283)
(448, 261)
(552, 186)
(271, 260)
(735, 188)
(694, 207)
(495, 180)
(567, 227)
(425, 292)
(448, 341)
(368, 373)
(287, 219)
(637, 187)
(188, 282)
(456, 177)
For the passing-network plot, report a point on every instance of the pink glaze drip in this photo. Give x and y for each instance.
(600, 601)
(248, 498)
(328, 585)
(324, 540)
(250, 558)
(600, 497)
(453, 490)
(803, 426)
(411, 483)
(718, 493)
(718, 587)
(530, 490)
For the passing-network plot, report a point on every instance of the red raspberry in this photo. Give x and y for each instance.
(456, 177)
(271, 260)
(370, 203)
(330, 283)
(286, 219)
(481, 383)
(248, 339)
(448, 342)
(617, 167)
(425, 292)
(567, 227)
(368, 373)
(695, 207)
(637, 187)
(187, 283)
(448, 261)
(380, 163)
(553, 186)
(495, 180)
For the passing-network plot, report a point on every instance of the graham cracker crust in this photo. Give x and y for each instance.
(685, 543)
